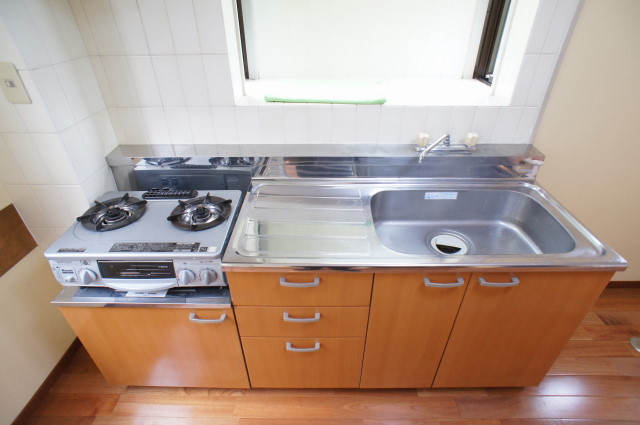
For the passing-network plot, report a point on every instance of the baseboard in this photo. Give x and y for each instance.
(624, 284)
(48, 383)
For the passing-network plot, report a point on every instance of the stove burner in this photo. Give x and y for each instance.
(166, 162)
(113, 213)
(234, 161)
(200, 213)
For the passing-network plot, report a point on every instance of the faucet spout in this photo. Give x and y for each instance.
(446, 139)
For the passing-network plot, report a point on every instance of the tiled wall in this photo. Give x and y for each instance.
(52, 150)
(163, 67)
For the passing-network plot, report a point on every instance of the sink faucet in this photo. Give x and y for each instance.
(424, 150)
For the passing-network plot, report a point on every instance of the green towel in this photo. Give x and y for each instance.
(327, 91)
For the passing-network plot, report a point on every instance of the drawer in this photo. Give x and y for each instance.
(300, 289)
(329, 363)
(302, 321)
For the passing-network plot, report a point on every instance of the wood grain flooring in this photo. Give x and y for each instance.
(595, 381)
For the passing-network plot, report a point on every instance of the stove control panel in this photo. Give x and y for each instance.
(123, 274)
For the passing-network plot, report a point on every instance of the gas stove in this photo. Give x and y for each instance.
(139, 241)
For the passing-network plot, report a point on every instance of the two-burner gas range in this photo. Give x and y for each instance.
(141, 241)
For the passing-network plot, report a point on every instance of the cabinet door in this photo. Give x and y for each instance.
(161, 346)
(510, 336)
(409, 325)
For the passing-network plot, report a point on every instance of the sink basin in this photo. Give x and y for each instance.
(467, 222)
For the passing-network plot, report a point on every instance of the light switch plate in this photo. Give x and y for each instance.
(12, 85)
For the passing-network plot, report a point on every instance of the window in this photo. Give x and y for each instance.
(371, 39)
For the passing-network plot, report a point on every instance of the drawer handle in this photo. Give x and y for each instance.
(288, 318)
(194, 319)
(303, 350)
(456, 284)
(514, 282)
(316, 282)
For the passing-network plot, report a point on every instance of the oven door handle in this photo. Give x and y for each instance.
(131, 286)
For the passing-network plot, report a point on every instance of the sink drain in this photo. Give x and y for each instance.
(448, 244)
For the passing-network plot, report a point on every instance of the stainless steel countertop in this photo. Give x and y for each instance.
(327, 224)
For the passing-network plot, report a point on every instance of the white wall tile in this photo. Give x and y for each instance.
(49, 199)
(541, 25)
(461, 123)
(439, 121)
(26, 155)
(414, 121)
(507, 125)
(183, 26)
(218, 80)
(27, 205)
(169, 82)
(248, 122)
(319, 123)
(367, 123)
(89, 85)
(133, 126)
(10, 172)
(210, 26)
(560, 24)
(25, 33)
(541, 80)
(55, 158)
(54, 97)
(105, 127)
(118, 128)
(296, 123)
(74, 198)
(10, 121)
(121, 85)
(48, 27)
(99, 183)
(271, 123)
(83, 26)
(156, 27)
(156, 125)
(92, 143)
(343, 123)
(71, 85)
(484, 123)
(68, 28)
(527, 125)
(193, 80)
(103, 27)
(44, 236)
(224, 124)
(9, 51)
(77, 151)
(144, 80)
(179, 126)
(129, 23)
(525, 77)
(201, 125)
(390, 129)
(103, 81)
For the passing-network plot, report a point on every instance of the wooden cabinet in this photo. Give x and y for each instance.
(302, 330)
(410, 322)
(510, 336)
(161, 346)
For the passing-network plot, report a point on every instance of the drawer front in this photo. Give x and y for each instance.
(328, 363)
(302, 321)
(300, 289)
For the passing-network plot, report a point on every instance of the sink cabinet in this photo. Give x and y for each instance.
(161, 346)
(510, 336)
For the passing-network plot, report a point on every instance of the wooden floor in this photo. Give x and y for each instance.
(596, 380)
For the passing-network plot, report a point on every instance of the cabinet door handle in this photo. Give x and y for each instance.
(288, 318)
(514, 282)
(303, 350)
(456, 284)
(316, 282)
(194, 319)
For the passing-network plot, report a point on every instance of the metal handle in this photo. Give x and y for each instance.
(288, 318)
(303, 350)
(194, 319)
(456, 284)
(514, 282)
(283, 282)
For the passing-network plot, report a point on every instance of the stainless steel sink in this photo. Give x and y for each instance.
(466, 222)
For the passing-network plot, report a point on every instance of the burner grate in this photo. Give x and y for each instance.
(113, 213)
(200, 213)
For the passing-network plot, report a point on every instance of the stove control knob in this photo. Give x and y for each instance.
(186, 276)
(87, 276)
(208, 276)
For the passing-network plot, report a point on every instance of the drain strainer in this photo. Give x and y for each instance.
(448, 243)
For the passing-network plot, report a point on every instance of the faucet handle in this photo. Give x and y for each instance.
(423, 139)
